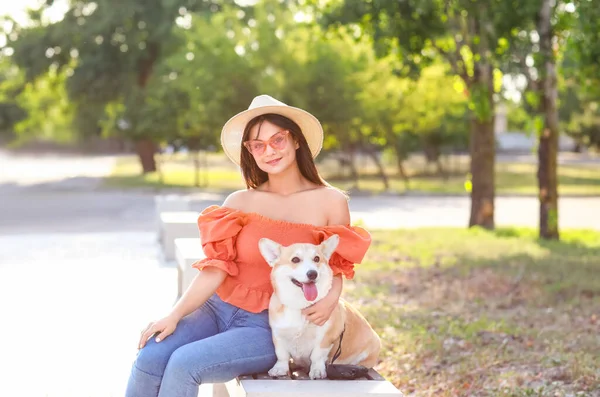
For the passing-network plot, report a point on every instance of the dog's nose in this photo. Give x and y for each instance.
(312, 274)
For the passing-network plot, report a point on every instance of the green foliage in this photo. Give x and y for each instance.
(580, 111)
(49, 112)
(481, 107)
(214, 79)
(585, 39)
(109, 51)
(10, 111)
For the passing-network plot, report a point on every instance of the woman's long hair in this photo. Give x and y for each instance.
(254, 176)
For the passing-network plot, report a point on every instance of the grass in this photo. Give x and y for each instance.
(511, 178)
(127, 174)
(515, 178)
(480, 313)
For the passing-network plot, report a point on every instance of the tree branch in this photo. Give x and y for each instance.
(454, 58)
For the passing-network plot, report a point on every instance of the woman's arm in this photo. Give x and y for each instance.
(209, 279)
(201, 288)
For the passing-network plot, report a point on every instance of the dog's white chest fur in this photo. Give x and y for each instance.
(297, 335)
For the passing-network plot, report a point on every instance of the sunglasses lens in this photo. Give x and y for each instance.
(278, 142)
(257, 147)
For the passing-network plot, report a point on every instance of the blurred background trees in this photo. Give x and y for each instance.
(387, 79)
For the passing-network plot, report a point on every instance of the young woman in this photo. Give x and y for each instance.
(219, 329)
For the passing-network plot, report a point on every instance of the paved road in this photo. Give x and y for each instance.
(29, 210)
(29, 170)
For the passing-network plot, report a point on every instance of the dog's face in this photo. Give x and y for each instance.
(301, 274)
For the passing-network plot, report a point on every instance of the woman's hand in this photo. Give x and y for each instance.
(164, 327)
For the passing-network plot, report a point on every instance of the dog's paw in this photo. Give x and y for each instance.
(317, 372)
(280, 369)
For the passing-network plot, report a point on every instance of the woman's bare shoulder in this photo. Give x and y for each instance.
(239, 199)
(335, 203)
(332, 194)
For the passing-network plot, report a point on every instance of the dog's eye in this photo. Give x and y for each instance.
(316, 259)
(295, 259)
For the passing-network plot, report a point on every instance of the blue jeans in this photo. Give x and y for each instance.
(214, 344)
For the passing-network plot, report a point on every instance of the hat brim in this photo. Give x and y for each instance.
(233, 130)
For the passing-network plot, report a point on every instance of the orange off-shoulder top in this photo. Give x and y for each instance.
(230, 237)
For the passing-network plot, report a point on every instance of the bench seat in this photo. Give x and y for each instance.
(299, 385)
(187, 251)
(176, 224)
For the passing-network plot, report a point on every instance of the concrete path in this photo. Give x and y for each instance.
(28, 170)
(72, 306)
(48, 211)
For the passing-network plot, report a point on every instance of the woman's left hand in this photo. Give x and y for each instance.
(320, 312)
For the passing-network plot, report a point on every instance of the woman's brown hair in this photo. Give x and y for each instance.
(254, 176)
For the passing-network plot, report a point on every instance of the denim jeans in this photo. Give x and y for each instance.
(214, 344)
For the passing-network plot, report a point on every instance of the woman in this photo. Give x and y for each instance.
(219, 329)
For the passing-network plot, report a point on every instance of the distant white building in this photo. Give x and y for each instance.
(520, 141)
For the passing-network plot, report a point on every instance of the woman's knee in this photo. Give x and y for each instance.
(152, 359)
(181, 366)
(213, 360)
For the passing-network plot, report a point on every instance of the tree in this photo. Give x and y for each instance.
(579, 114)
(109, 50)
(583, 74)
(49, 112)
(217, 80)
(471, 36)
(537, 54)
(11, 112)
(585, 42)
(548, 147)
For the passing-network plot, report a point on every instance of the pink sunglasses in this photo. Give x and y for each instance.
(257, 146)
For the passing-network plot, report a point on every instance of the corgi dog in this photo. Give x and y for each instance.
(301, 276)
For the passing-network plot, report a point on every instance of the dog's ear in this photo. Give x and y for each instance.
(328, 246)
(270, 250)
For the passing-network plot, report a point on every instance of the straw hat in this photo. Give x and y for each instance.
(233, 130)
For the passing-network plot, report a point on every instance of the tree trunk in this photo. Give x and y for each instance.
(403, 173)
(145, 149)
(440, 168)
(384, 178)
(144, 146)
(352, 164)
(482, 143)
(483, 149)
(400, 162)
(548, 145)
(197, 168)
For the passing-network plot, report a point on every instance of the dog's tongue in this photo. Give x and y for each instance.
(310, 291)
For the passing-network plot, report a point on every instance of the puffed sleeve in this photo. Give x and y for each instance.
(219, 227)
(353, 245)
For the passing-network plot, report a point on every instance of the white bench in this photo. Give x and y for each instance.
(170, 202)
(299, 385)
(176, 224)
(187, 251)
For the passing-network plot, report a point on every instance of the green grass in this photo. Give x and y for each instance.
(175, 174)
(516, 178)
(512, 178)
(480, 313)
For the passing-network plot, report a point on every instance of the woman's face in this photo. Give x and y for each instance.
(273, 147)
